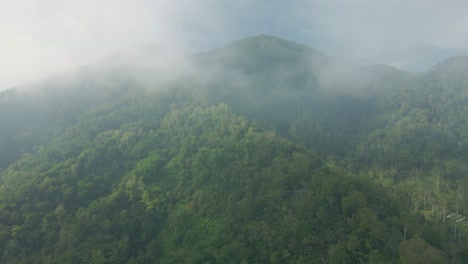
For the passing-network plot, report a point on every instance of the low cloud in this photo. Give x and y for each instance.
(366, 28)
(40, 38)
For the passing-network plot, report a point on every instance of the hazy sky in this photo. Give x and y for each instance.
(42, 37)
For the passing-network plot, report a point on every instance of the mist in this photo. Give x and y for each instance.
(40, 38)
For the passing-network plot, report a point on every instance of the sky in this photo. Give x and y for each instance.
(43, 37)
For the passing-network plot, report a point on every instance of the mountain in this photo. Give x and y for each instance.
(418, 59)
(261, 151)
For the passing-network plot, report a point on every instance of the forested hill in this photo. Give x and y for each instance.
(262, 151)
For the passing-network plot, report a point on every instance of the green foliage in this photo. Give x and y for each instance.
(266, 161)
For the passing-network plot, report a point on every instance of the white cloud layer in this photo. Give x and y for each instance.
(370, 26)
(42, 37)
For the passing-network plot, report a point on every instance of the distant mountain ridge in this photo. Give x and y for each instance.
(273, 64)
(458, 61)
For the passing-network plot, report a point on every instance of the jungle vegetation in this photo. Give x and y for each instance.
(262, 151)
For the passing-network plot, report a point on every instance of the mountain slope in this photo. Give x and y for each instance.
(255, 76)
(261, 151)
(161, 181)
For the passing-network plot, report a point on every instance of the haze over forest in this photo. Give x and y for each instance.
(41, 38)
(177, 144)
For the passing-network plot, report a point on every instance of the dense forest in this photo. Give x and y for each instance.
(262, 151)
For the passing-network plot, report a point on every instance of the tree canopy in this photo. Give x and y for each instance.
(270, 152)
